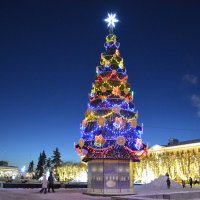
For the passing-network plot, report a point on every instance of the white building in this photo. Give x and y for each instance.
(9, 172)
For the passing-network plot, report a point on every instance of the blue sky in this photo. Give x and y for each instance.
(49, 53)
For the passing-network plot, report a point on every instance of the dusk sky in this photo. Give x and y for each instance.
(49, 51)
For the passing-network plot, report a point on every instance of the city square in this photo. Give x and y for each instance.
(131, 132)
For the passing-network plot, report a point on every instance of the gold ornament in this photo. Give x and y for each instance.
(88, 112)
(99, 140)
(126, 90)
(103, 98)
(103, 89)
(116, 91)
(84, 122)
(105, 78)
(117, 52)
(81, 142)
(134, 123)
(116, 109)
(121, 140)
(111, 38)
(107, 62)
(101, 121)
(127, 99)
(124, 80)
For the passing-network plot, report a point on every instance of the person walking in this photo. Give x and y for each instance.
(190, 182)
(168, 183)
(44, 184)
(183, 183)
(51, 182)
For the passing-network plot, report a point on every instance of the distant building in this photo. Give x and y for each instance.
(179, 159)
(8, 171)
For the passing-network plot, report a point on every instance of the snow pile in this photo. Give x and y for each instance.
(161, 183)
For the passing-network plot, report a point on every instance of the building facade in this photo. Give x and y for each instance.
(9, 172)
(180, 160)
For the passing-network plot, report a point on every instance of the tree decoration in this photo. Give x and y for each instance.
(89, 111)
(116, 91)
(84, 122)
(127, 99)
(134, 123)
(116, 109)
(81, 142)
(97, 69)
(107, 62)
(92, 94)
(105, 78)
(121, 140)
(114, 71)
(84, 151)
(126, 90)
(118, 122)
(142, 127)
(138, 144)
(101, 121)
(117, 52)
(103, 98)
(99, 140)
(111, 20)
(103, 89)
(79, 151)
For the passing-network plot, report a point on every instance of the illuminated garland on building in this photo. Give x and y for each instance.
(110, 129)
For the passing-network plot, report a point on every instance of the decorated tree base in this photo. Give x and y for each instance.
(110, 177)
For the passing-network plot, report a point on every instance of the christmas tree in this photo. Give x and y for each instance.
(110, 129)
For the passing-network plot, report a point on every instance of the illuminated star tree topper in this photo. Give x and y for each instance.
(111, 20)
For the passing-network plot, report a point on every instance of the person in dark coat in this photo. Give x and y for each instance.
(168, 183)
(51, 182)
(183, 183)
(190, 182)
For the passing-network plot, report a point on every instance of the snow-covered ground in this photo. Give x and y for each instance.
(77, 194)
(157, 188)
(161, 183)
(34, 194)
